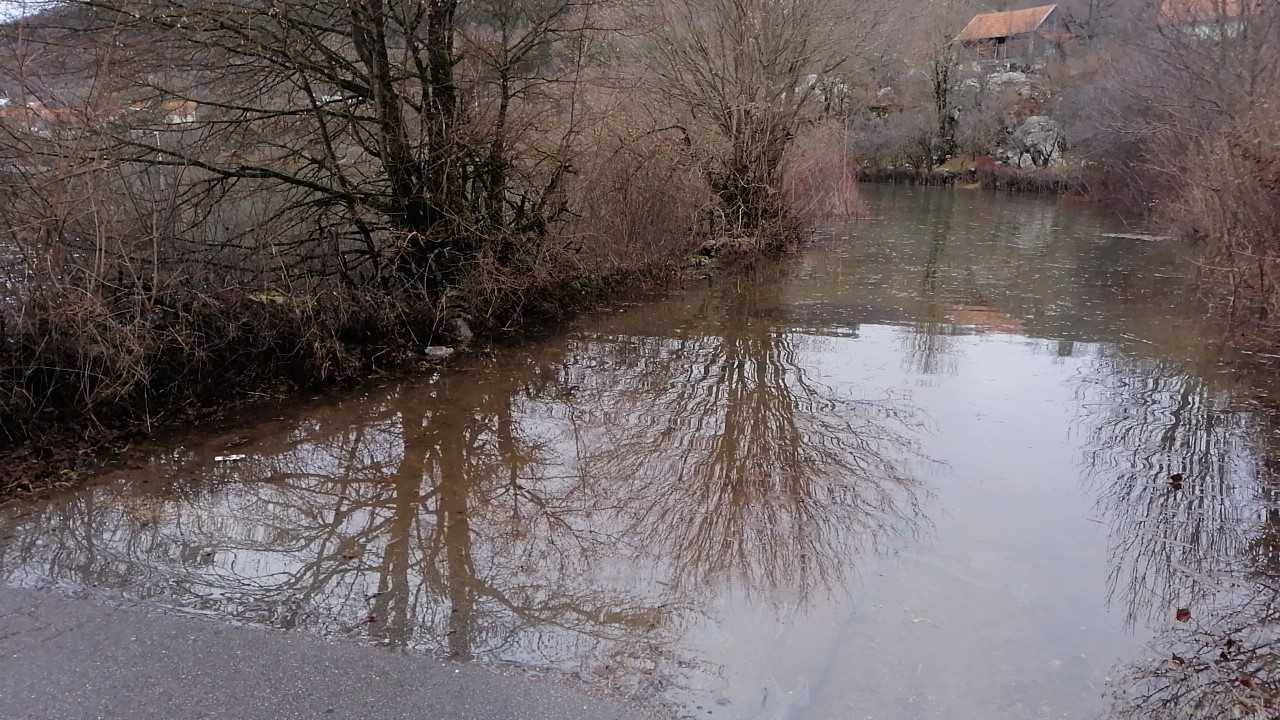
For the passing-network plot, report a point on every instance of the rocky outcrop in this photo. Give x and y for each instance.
(1037, 142)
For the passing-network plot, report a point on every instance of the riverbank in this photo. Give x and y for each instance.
(990, 177)
(223, 356)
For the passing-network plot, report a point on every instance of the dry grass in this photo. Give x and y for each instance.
(820, 179)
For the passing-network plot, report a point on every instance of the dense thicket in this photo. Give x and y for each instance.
(199, 196)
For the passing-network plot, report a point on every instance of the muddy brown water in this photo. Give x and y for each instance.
(918, 470)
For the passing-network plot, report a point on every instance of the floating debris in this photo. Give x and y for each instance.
(1138, 236)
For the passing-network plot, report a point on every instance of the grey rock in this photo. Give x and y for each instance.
(1021, 83)
(1006, 79)
(1037, 142)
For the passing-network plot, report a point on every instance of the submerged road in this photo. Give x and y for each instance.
(67, 659)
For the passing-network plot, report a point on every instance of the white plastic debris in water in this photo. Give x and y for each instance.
(437, 352)
(228, 458)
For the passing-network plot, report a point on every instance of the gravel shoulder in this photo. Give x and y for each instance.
(70, 658)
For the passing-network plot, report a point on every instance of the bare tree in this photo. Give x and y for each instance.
(384, 130)
(744, 73)
(939, 46)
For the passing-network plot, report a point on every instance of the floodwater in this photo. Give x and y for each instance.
(918, 470)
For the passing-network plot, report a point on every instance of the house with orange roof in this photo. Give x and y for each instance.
(1022, 35)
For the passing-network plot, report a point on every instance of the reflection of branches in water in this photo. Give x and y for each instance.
(1147, 420)
(407, 523)
(1208, 543)
(744, 467)
(930, 345)
(1225, 661)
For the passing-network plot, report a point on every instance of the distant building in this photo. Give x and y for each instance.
(45, 120)
(178, 112)
(39, 119)
(1018, 35)
(1208, 18)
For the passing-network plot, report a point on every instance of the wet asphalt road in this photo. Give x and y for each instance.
(70, 659)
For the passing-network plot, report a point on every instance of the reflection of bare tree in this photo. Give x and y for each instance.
(1149, 421)
(742, 465)
(1224, 661)
(1189, 490)
(930, 344)
(407, 522)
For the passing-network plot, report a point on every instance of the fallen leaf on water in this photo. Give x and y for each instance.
(1177, 661)
(1183, 614)
(1247, 681)
(1175, 481)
